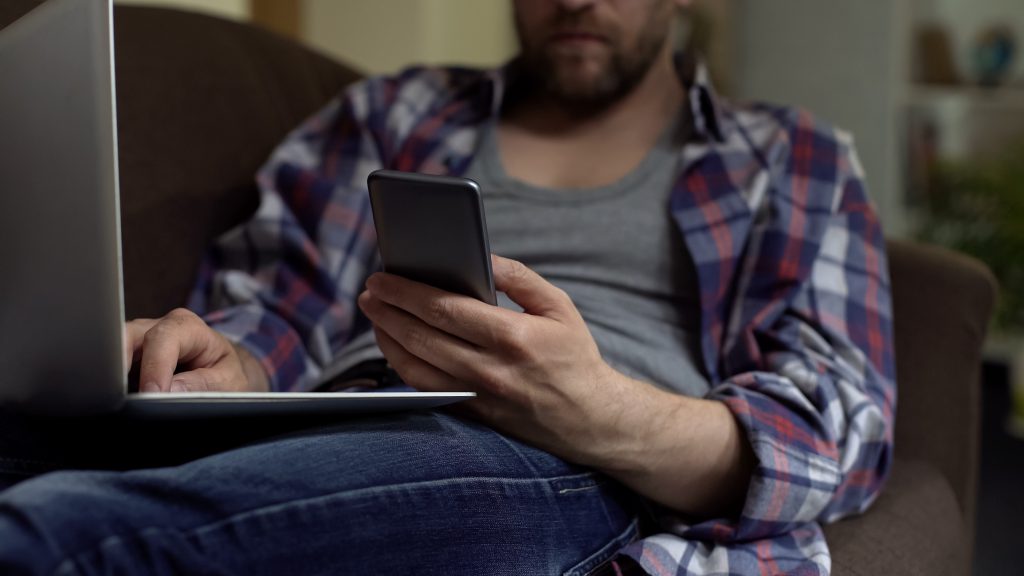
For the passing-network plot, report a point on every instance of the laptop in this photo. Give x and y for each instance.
(61, 303)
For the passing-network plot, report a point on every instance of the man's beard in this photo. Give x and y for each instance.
(623, 69)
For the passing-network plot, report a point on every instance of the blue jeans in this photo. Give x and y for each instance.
(412, 493)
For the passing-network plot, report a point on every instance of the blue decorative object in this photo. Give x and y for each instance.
(993, 55)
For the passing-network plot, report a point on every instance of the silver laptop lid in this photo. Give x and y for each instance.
(61, 313)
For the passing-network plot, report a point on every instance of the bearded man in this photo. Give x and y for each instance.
(690, 369)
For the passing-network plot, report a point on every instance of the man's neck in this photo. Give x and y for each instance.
(546, 142)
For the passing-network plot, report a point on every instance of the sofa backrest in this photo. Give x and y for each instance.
(201, 104)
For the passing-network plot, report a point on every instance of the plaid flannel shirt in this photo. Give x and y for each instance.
(790, 261)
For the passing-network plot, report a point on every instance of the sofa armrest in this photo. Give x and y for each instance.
(942, 303)
(914, 528)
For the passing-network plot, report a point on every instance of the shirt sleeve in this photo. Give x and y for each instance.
(817, 398)
(284, 284)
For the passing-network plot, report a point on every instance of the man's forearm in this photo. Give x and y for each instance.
(688, 454)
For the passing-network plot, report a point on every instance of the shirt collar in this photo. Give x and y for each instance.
(705, 106)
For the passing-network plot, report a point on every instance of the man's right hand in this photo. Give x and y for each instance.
(204, 359)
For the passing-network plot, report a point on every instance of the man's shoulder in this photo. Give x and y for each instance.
(793, 125)
(420, 105)
(791, 134)
(809, 160)
(419, 87)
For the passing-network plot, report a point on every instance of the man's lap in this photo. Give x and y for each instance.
(424, 490)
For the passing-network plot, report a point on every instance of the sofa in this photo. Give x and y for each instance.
(202, 102)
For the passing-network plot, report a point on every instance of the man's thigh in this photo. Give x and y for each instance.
(412, 493)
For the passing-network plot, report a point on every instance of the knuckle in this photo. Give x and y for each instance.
(416, 340)
(517, 270)
(440, 311)
(160, 331)
(514, 338)
(181, 316)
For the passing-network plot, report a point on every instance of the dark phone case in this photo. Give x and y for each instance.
(432, 229)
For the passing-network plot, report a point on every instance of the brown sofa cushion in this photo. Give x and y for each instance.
(914, 528)
(11, 10)
(201, 104)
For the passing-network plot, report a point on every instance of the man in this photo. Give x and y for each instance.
(692, 369)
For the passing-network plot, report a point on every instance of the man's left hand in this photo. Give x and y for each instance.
(538, 374)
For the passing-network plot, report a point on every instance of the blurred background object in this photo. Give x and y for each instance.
(993, 54)
(932, 90)
(934, 58)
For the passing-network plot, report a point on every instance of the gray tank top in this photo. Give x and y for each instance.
(617, 253)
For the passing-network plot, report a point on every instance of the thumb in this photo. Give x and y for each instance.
(200, 380)
(528, 289)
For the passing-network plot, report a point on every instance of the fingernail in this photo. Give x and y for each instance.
(178, 386)
(150, 387)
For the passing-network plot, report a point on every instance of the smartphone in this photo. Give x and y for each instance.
(431, 229)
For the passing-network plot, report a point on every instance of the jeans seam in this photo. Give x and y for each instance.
(595, 486)
(605, 552)
(70, 561)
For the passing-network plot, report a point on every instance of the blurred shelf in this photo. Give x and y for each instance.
(1005, 97)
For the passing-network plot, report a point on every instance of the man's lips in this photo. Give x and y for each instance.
(574, 37)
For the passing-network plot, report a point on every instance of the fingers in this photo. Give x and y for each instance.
(134, 333)
(431, 345)
(179, 337)
(201, 380)
(530, 290)
(466, 318)
(414, 371)
(426, 378)
(461, 316)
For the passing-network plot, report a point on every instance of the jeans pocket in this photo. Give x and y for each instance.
(593, 564)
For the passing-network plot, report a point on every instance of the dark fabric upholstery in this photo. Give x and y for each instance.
(201, 104)
(11, 10)
(202, 101)
(914, 528)
(942, 304)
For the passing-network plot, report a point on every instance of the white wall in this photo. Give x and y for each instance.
(846, 61)
(234, 9)
(380, 36)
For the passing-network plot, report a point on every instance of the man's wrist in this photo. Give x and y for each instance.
(630, 411)
(688, 454)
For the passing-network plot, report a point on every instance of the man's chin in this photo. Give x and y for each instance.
(583, 91)
(583, 82)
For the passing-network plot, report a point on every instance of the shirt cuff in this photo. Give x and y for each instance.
(270, 340)
(796, 472)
